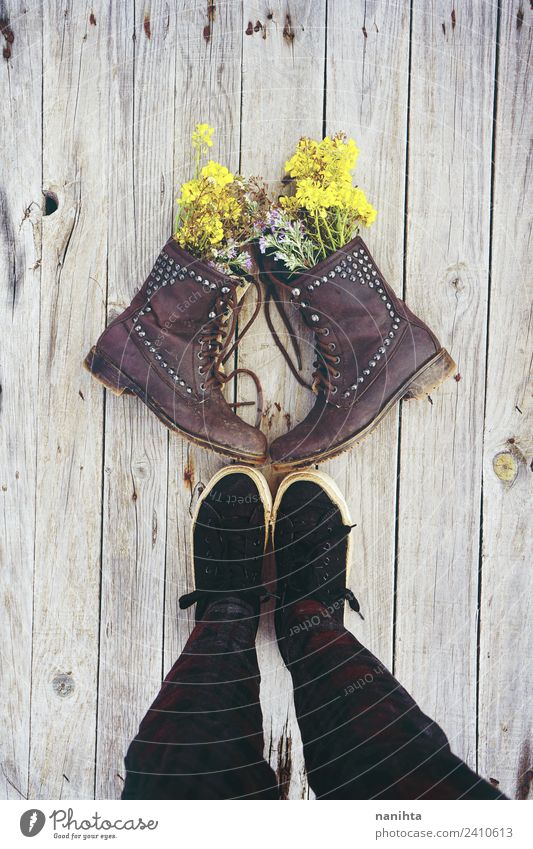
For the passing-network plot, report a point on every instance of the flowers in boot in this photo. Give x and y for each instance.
(218, 212)
(324, 210)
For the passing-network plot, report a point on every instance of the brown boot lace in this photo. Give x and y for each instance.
(216, 347)
(326, 362)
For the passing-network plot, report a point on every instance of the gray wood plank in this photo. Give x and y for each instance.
(207, 89)
(505, 673)
(283, 91)
(20, 253)
(451, 102)
(135, 467)
(69, 404)
(367, 78)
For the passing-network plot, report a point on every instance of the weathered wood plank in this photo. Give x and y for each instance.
(505, 674)
(135, 466)
(207, 89)
(451, 102)
(20, 274)
(69, 457)
(283, 92)
(367, 76)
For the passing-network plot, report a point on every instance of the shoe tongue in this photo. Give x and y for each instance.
(228, 536)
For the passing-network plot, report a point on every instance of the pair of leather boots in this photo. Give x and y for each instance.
(170, 345)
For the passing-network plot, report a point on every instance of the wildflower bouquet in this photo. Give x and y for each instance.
(218, 212)
(325, 209)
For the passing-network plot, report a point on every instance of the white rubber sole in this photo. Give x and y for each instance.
(262, 488)
(332, 490)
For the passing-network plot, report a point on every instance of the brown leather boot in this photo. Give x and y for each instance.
(371, 351)
(168, 348)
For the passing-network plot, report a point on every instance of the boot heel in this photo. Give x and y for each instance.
(439, 369)
(108, 374)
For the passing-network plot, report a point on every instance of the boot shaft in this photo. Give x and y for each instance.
(358, 318)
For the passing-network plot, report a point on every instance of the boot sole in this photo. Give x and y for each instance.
(425, 380)
(331, 488)
(117, 382)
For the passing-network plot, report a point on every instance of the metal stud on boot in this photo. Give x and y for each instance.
(371, 351)
(168, 348)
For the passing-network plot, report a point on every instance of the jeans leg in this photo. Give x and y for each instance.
(203, 736)
(364, 736)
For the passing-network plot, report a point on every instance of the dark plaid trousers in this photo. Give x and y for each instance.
(364, 737)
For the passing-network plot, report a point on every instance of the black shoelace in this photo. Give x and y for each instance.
(318, 559)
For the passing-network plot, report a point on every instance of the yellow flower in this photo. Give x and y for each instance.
(219, 174)
(201, 136)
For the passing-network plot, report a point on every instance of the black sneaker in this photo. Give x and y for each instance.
(229, 536)
(311, 538)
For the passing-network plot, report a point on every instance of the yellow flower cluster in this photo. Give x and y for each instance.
(324, 198)
(208, 205)
(325, 162)
(202, 136)
(217, 211)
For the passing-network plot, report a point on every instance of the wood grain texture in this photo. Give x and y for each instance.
(282, 99)
(447, 251)
(505, 675)
(70, 407)
(207, 89)
(367, 78)
(135, 459)
(20, 276)
(98, 105)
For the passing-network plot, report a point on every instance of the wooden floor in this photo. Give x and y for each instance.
(98, 103)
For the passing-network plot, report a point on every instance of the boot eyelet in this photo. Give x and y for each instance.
(336, 374)
(325, 331)
(201, 370)
(200, 355)
(333, 390)
(332, 346)
(202, 387)
(337, 359)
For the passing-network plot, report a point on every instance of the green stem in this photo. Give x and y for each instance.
(319, 235)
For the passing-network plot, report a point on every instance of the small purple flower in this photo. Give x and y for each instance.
(262, 244)
(248, 262)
